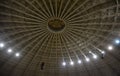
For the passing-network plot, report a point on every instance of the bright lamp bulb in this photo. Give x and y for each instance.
(17, 54)
(103, 52)
(9, 50)
(87, 59)
(79, 61)
(117, 41)
(63, 63)
(1, 45)
(71, 63)
(95, 56)
(110, 47)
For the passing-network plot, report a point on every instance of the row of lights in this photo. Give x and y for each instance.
(110, 47)
(86, 58)
(79, 61)
(9, 50)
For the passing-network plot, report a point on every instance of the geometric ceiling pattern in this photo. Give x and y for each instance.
(56, 31)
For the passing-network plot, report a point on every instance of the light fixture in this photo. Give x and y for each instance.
(103, 52)
(95, 56)
(64, 63)
(79, 61)
(71, 63)
(2, 45)
(87, 59)
(17, 54)
(117, 41)
(110, 47)
(9, 50)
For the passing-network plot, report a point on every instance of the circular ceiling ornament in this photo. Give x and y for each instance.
(56, 31)
(56, 25)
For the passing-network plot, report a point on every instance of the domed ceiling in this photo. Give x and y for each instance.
(54, 33)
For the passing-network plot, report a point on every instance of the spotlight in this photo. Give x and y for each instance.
(9, 50)
(17, 54)
(95, 56)
(64, 63)
(2, 45)
(110, 47)
(87, 59)
(79, 61)
(71, 63)
(117, 41)
(103, 52)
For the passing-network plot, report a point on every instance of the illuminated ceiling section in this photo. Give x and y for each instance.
(58, 32)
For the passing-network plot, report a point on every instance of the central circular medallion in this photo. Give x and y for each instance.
(56, 25)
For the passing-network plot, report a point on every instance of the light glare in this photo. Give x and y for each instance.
(95, 56)
(63, 63)
(9, 50)
(79, 61)
(1, 45)
(117, 41)
(87, 59)
(17, 54)
(71, 63)
(110, 47)
(103, 52)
